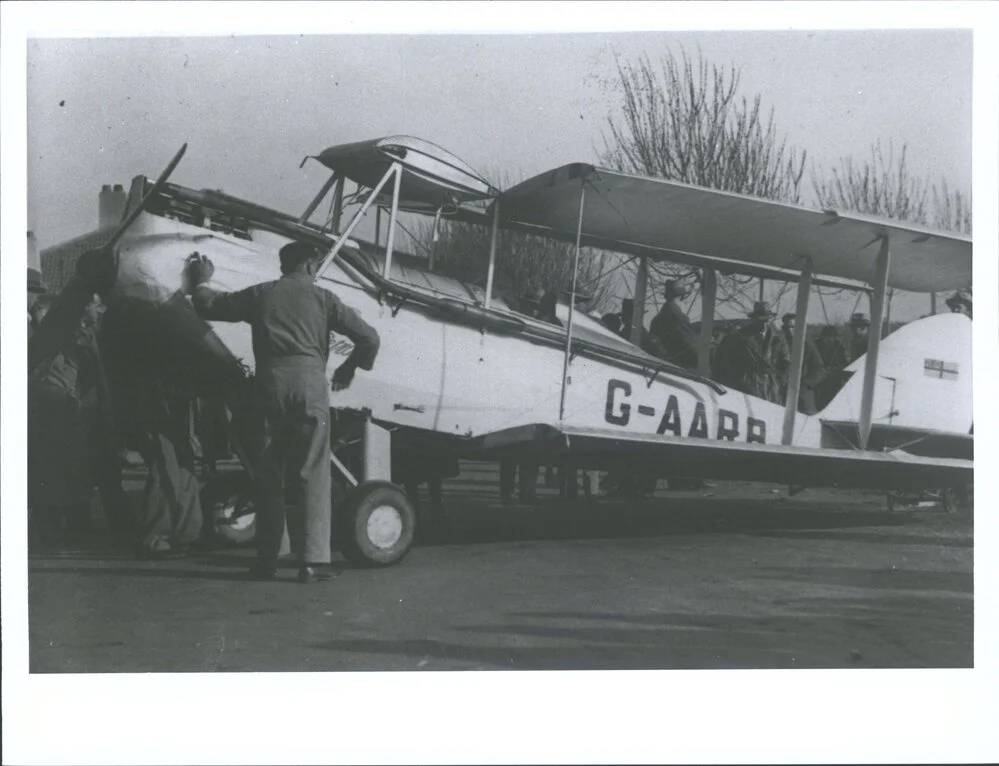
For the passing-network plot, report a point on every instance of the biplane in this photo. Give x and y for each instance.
(462, 371)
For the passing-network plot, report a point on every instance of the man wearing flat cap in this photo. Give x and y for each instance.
(291, 319)
(959, 303)
(746, 358)
(671, 330)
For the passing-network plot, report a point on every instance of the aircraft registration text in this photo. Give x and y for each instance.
(674, 421)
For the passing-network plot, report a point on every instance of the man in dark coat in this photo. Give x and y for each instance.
(671, 329)
(812, 370)
(746, 358)
(831, 348)
(69, 438)
(59, 481)
(291, 319)
(859, 329)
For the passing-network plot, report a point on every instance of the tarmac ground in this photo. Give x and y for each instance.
(730, 576)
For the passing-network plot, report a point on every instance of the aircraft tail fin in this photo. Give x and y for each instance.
(923, 379)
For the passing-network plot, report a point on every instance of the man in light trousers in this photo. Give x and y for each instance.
(291, 319)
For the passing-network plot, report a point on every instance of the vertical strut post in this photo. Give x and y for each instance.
(891, 294)
(874, 339)
(492, 255)
(358, 216)
(797, 352)
(572, 303)
(641, 289)
(709, 290)
(377, 452)
(333, 179)
(337, 207)
(392, 216)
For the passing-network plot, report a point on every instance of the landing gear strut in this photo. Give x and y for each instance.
(375, 522)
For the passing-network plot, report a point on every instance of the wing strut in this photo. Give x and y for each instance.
(492, 255)
(709, 289)
(333, 179)
(797, 351)
(572, 302)
(337, 208)
(638, 307)
(392, 171)
(874, 338)
(392, 216)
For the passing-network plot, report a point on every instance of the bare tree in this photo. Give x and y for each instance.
(951, 209)
(688, 122)
(884, 186)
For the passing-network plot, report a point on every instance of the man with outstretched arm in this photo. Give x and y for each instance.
(291, 319)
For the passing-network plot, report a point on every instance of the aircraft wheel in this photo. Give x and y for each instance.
(230, 512)
(377, 524)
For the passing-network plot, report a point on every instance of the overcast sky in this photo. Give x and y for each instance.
(104, 110)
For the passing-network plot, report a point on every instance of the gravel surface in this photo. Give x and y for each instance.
(732, 576)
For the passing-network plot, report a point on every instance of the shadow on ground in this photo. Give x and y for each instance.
(695, 516)
(816, 637)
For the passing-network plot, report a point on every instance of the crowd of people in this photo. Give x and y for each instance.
(84, 409)
(754, 355)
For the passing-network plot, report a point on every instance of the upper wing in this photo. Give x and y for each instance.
(710, 459)
(678, 222)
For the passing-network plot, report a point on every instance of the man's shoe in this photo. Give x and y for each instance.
(310, 573)
(263, 571)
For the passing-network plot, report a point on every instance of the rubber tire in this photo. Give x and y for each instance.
(352, 522)
(236, 536)
(222, 493)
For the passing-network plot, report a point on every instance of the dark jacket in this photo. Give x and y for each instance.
(676, 338)
(745, 361)
(292, 319)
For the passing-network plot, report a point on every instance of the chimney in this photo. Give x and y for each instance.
(111, 206)
(34, 265)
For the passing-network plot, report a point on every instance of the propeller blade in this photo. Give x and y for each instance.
(123, 226)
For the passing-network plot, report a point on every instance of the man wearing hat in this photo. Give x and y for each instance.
(746, 358)
(671, 330)
(812, 369)
(859, 326)
(959, 303)
(292, 319)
